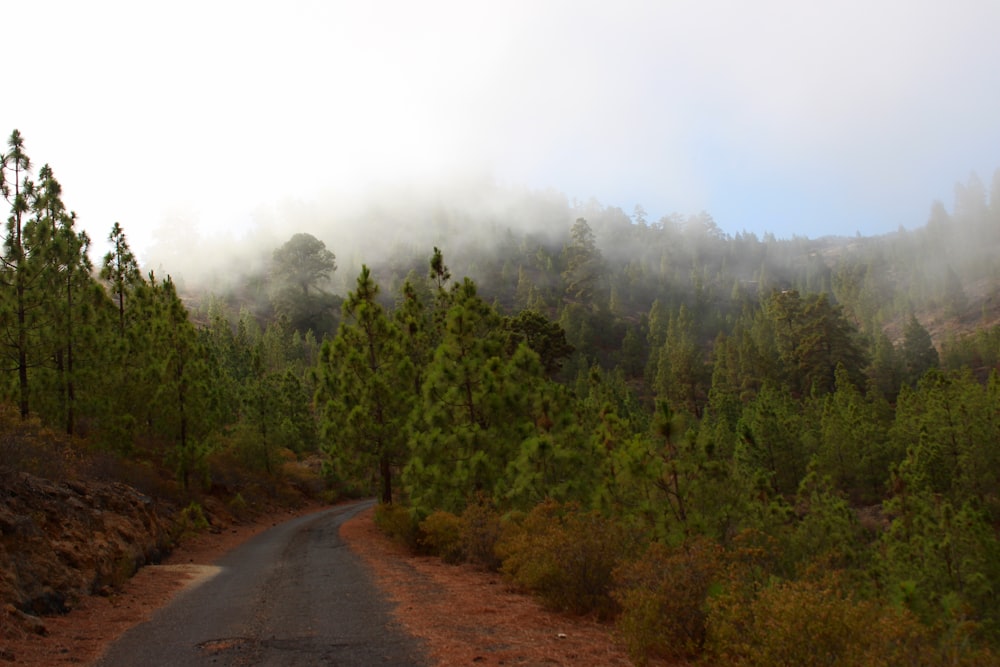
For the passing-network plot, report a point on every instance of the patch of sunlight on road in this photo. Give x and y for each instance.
(193, 574)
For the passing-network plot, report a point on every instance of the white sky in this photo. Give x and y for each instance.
(776, 115)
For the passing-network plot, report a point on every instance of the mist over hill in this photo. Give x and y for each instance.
(509, 239)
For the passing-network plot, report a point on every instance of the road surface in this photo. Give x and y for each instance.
(292, 595)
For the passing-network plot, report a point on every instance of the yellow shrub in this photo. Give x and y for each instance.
(441, 535)
(398, 523)
(662, 597)
(565, 556)
(480, 531)
(821, 623)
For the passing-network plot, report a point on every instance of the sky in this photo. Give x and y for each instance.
(781, 116)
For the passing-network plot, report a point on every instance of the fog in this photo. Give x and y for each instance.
(392, 221)
(241, 123)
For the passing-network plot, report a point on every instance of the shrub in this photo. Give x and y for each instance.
(238, 507)
(441, 535)
(480, 531)
(819, 622)
(662, 596)
(190, 521)
(123, 570)
(470, 538)
(27, 446)
(565, 556)
(398, 523)
(304, 479)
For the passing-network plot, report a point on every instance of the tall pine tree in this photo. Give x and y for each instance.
(366, 389)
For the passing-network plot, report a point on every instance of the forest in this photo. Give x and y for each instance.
(721, 443)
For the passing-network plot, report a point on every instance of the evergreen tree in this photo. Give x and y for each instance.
(680, 378)
(828, 534)
(523, 291)
(76, 298)
(121, 271)
(725, 395)
(633, 352)
(439, 273)
(948, 427)
(853, 449)
(547, 339)
(415, 328)
(813, 338)
(275, 416)
(22, 273)
(302, 270)
(553, 460)
(181, 412)
(885, 375)
(939, 557)
(477, 407)
(365, 389)
(919, 354)
(583, 264)
(771, 450)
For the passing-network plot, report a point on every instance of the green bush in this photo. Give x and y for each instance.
(238, 507)
(662, 596)
(190, 521)
(565, 556)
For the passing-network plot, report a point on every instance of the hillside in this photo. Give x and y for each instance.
(662, 424)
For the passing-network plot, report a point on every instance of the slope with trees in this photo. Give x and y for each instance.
(723, 442)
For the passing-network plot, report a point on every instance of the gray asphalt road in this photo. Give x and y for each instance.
(292, 595)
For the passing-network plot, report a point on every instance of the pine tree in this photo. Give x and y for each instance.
(939, 557)
(76, 297)
(21, 271)
(885, 375)
(770, 448)
(544, 337)
(948, 427)
(813, 338)
(853, 448)
(474, 410)
(554, 460)
(182, 408)
(680, 378)
(416, 335)
(365, 389)
(583, 264)
(121, 270)
(439, 273)
(302, 270)
(272, 416)
(919, 354)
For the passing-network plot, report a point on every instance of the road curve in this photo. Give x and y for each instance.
(292, 595)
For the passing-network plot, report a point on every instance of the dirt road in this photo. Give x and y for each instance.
(293, 595)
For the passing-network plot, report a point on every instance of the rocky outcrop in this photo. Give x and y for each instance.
(60, 541)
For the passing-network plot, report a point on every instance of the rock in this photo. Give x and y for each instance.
(62, 541)
(27, 622)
